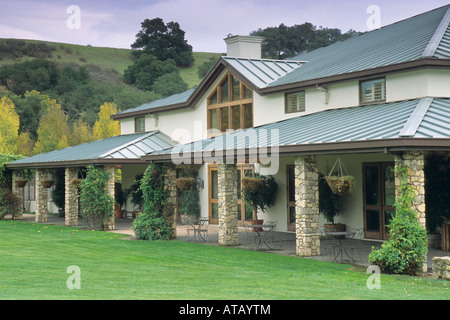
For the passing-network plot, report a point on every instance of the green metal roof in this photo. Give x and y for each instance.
(116, 149)
(413, 119)
(424, 35)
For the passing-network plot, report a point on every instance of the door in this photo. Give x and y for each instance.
(245, 210)
(379, 198)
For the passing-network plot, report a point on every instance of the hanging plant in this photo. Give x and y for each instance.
(341, 182)
(76, 181)
(185, 183)
(252, 184)
(21, 180)
(48, 180)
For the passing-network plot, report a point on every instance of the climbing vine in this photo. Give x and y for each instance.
(152, 223)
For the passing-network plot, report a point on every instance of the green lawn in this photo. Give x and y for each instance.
(34, 259)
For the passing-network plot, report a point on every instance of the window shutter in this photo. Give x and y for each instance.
(373, 90)
(295, 102)
(139, 124)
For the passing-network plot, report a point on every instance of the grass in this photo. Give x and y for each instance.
(35, 257)
(107, 64)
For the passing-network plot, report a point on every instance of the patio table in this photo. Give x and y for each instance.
(263, 232)
(199, 228)
(339, 235)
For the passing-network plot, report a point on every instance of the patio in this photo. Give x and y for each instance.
(283, 243)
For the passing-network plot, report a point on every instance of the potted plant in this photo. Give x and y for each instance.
(330, 205)
(21, 180)
(187, 178)
(262, 197)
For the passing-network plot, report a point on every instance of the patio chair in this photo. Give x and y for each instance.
(202, 229)
(352, 244)
(327, 245)
(268, 228)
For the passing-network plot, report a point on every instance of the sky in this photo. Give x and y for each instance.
(115, 23)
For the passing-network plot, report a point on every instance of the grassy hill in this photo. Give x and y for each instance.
(104, 64)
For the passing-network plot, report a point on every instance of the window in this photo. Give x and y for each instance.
(373, 90)
(230, 105)
(295, 102)
(139, 124)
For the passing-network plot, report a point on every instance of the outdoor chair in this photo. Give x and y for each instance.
(352, 244)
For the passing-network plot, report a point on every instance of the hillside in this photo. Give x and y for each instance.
(104, 64)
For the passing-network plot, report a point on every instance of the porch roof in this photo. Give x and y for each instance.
(413, 124)
(115, 150)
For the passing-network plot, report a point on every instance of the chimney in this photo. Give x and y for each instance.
(244, 46)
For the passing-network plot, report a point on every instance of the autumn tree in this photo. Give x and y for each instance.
(53, 131)
(9, 126)
(81, 133)
(106, 127)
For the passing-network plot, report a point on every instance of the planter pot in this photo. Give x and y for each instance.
(47, 183)
(338, 227)
(185, 183)
(20, 183)
(119, 213)
(340, 185)
(434, 240)
(259, 221)
(252, 184)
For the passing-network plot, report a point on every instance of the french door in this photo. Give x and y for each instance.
(245, 210)
(290, 173)
(379, 198)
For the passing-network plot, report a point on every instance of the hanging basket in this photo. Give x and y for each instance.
(185, 183)
(20, 183)
(76, 182)
(341, 182)
(252, 184)
(341, 185)
(47, 183)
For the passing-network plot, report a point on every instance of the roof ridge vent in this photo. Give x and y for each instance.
(416, 117)
(433, 45)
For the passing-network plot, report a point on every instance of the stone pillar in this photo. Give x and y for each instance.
(307, 206)
(71, 197)
(17, 191)
(415, 162)
(228, 206)
(171, 187)
(41, 197)
(111, 224)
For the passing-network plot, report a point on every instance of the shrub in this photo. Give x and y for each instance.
(263, 197)
(96, 203)
(152, 223)
(406, 249)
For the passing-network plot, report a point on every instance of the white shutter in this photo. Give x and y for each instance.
(295, 102)
(373, 90)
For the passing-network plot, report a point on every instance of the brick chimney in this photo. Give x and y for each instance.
(244, 46)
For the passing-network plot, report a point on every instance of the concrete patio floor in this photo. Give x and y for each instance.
(283, 242)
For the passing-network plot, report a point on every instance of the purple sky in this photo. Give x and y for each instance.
(206, 22)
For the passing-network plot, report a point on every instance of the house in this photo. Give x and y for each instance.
(372, 102)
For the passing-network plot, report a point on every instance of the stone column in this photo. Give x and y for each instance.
(18, 193)
(171, 187)
(228, 206)
(307, 206)
(111, 224)
(415, 162)
(71, 197)
(41, 197)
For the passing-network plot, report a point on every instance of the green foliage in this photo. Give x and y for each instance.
(189, 200)
(330, 204)
(164, 41)
(8, 201)
(437, 190)
(96, 202)
(146, 69)
(204, 68)
(265, 196)
(284, 42)
(407, 246)
(177, 85)
(152, 223)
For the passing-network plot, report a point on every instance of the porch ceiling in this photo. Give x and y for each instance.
(115, 150)
(415, 124)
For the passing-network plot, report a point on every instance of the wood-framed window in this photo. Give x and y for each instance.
(230, 105)
(294, 102)
(139, 124)
(372, 90)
